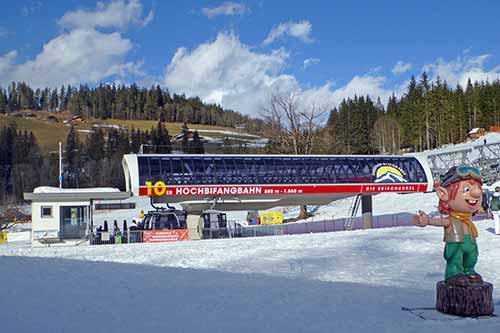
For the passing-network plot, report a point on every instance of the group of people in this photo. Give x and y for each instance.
(117, 235)
(116, 228)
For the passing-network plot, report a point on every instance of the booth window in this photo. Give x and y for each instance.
(47, 211)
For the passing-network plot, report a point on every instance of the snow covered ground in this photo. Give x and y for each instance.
(228, 133)
(331, 282)
(489, 137)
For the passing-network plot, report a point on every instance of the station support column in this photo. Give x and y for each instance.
(367, 211)
(192, 221)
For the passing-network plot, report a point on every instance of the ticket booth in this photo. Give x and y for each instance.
(65, 215)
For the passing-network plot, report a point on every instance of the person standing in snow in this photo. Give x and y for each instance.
(495, 209)
(460, 195)
(133, 231)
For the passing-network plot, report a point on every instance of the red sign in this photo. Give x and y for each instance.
(158, 236)
(239, 190)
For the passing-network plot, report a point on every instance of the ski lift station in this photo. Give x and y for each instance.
(228, 182)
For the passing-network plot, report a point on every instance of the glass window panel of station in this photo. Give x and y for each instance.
(420, 174)
(155, 165)
(199, 170)
(279, 170)
(187, 164)
(315, 169)
(220, 170)
(209, 170)
(263, 173)
(177, 172)
(322, 170)
(166, 169)
(240, 169)
(342, 170)
(409, 168)
(261, 170)
(251, 170)
(144, 171)
(363, 170)
(231, 172)
(329, 171)
(273, 169)
(302, 169)
(289, 172)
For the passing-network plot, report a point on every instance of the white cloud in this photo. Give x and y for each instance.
(148, 19)
(227, 8)
(226, 71)
(401, 67)
(311, 61)
(115, 14)
(301, 30)
(361, 85)
(6, 63)
(71, 58)
(230, 73)
(459, 70)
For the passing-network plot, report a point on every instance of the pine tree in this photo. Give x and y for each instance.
(198, 147)
(95, 145)
(186, 148)
(54, 101)
(72, 161)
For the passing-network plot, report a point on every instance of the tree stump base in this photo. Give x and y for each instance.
(465, 301)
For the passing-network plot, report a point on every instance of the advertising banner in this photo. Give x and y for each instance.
(271, 217)
(158, 236)
(3, 237)
(160, 189)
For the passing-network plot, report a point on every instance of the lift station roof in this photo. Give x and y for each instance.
(243, 182)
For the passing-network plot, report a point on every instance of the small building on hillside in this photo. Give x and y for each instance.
(77, 119)
(477, 132)
(190, 135)
(495, 129)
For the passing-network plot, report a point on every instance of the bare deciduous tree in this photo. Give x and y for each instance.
(12, 215)
(293, 126)
(387, 135)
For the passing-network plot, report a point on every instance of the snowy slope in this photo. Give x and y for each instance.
(332, 282)
(490, 138)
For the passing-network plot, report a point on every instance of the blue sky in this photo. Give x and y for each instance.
(237, 53)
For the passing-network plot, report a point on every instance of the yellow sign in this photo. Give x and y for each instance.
(271, 217)
(3, 237)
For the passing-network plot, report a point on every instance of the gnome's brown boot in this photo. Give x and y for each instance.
(475, 278)
(458, 280)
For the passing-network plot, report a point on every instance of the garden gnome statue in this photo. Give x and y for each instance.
(463, 291)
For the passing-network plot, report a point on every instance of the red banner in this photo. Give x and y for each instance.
(158, 236)
(242, 190)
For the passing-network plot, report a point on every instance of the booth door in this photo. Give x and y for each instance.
(73, 222)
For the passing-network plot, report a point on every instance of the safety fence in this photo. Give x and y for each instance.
(157, 236)
(235, 230)
(329, 225)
